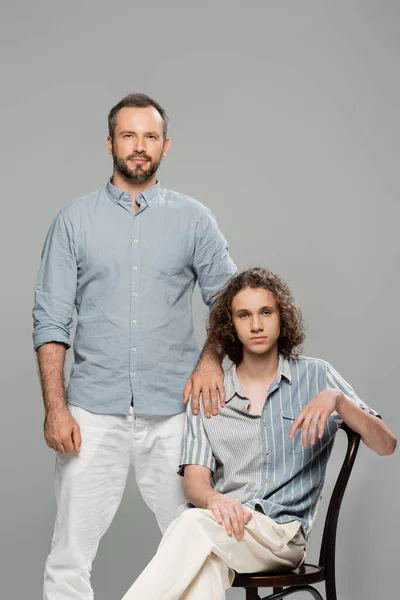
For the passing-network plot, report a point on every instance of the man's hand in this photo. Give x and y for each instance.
(230, 513)
(315, 415)
(61, 431)
(208, 380)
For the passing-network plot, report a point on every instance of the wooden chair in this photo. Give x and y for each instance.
(300, 580)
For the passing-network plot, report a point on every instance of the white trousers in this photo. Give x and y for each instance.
(196, 558)
(89, 488)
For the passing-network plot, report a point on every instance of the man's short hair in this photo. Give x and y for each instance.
(136, 101)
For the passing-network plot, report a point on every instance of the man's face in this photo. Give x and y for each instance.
(138, 145)
(256, 319)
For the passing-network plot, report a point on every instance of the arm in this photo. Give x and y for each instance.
(339, 396)
(213, 267)
(53, 318)
(61, 431)
(227, 512)
(374, 433)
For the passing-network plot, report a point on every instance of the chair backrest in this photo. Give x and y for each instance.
(328, 545)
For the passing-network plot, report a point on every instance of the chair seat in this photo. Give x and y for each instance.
(306, 574)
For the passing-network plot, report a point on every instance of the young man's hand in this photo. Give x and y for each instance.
(230, 513)
(208, 380)
(315, 415)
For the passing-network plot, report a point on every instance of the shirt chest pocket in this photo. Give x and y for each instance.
(294, 445)
(170, 254)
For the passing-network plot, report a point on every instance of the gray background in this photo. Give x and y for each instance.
(284, 121)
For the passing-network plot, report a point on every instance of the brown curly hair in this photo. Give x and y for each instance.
(221, 330)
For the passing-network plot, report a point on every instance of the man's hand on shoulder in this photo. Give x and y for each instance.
(230, 513)
(61, 431)
(208, 380)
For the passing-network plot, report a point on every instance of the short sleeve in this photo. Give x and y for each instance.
(196, 448)
(336, 381)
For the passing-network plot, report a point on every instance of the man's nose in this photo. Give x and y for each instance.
(139, 144)
(256, 324)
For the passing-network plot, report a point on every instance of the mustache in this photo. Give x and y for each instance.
(139, 155)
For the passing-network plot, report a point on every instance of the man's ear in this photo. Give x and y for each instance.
(167, 145)
(110, 144)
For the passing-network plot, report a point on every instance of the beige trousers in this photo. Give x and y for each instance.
(196, 558)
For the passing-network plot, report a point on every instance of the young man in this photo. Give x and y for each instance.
(127, 258)
(255, 471)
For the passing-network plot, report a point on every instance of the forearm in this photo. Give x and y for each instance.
(211, 352)
(374, 433)
(198, 490)
(51, 357)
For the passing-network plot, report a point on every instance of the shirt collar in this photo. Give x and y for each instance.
(232, 383)
(117, 195)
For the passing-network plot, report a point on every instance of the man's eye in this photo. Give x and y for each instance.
(153, 137)
(266, 312)
(243, 315)
(127, 135)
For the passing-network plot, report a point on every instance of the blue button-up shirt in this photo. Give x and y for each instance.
(251, 457)
(130, 275)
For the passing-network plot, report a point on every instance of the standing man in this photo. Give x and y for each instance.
(126, 258)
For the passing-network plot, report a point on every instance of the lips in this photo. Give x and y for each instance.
(259, 339)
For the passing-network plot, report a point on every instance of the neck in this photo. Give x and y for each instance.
(133, 187)
(259, 368)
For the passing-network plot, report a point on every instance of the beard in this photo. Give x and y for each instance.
(140, 173)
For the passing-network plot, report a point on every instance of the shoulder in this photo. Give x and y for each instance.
(187, 202)
(309, 366)
(81, 205)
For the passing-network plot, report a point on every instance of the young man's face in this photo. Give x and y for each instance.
(138, 146)
(256, 319)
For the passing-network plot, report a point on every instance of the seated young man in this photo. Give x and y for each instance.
(255, 471)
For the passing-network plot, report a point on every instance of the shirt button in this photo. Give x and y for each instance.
(134, 268)
(265, 480)
(126, 195)
(39, 287)
(244, 407)
(257, 490)
(133, 349)
(134, 321)
(133, 373)
(267, 452)
(134, 294)
(135, 241)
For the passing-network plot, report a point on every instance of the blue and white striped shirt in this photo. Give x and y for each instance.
(251, 457)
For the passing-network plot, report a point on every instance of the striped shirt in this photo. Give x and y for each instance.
(251, 457)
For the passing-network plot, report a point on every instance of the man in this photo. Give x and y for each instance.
(127, 258)
(255, 471)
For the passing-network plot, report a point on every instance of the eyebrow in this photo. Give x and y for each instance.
(145, 133)
(260, 309)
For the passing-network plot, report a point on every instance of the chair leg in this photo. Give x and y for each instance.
(330, 588)
(252, 594)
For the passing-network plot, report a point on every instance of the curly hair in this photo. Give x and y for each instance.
(221, 330)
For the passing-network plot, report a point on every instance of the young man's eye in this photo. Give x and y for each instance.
(127, 135)
(242, 315)
(266, 312)
(153, 137)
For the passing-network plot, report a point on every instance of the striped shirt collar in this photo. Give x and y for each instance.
(232, 383)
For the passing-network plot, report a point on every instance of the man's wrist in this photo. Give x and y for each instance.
(213, 496)
(340, 400)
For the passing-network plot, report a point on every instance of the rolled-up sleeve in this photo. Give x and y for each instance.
(212, 262)
(336, 381)
(55, 288)
(196, 448)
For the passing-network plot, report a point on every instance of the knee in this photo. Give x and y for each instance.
(194, 516)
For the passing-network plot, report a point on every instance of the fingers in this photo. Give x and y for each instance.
(205, 394)
(247, 514)
(76, 438)
(221, 392)
(238, 524)
(313, 428)
(214, 401)
(217, 514)
(226, 521)
(195, 400)
(296, 424)
(187, 390)
(322, 425)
